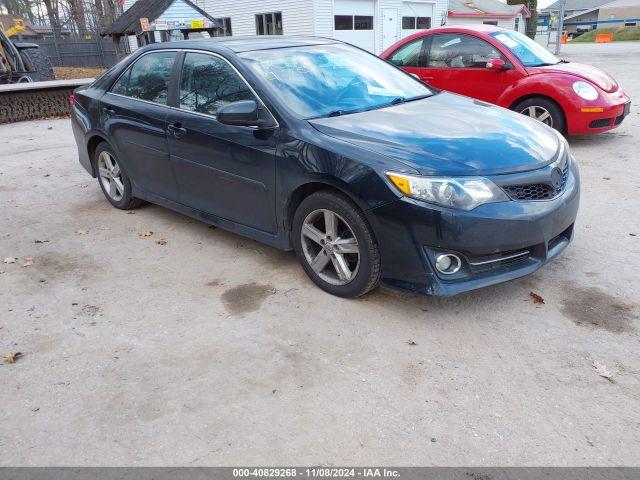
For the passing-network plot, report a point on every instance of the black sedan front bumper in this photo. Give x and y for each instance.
(497, 242)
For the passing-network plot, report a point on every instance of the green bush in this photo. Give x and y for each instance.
(619, 34)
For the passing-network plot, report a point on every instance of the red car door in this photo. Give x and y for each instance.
(457, 62)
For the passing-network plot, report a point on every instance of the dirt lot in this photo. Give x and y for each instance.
(215, 350)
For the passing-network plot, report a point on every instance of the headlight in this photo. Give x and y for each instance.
(464, 193)
(585, 90)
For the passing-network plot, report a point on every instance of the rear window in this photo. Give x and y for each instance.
(148, 78)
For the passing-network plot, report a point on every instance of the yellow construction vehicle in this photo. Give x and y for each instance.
(22, 62)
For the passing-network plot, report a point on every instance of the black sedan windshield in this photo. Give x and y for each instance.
(334, 79)
(529, 52)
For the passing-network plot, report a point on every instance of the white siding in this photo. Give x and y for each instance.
(323, 11)
(304, 17)
(440, 8)
(323, 18)
(180, 10)
(297, 15)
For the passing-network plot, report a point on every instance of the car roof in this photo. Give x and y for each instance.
(245, 44)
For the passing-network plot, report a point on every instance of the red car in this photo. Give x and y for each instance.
(509, 69)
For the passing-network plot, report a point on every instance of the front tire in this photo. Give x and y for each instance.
(543, 110)
(38, 64)
(114, 181)
(335, 245)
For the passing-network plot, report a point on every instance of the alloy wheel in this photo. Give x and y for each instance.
(110, 176)
(330, 247)
(539, 113)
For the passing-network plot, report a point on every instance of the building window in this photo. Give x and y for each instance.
(490, 22)
(423, 23)
(269, 23)
(516, 25)
(413, 23)
(225, 25)
(353, 22)
(362, 22)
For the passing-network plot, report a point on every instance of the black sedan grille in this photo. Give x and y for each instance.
(538, 191)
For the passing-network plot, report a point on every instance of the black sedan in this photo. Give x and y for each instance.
(314, 145)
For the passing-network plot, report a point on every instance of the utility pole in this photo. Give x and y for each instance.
(560, 27)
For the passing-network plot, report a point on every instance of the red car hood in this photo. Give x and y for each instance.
(587, 72)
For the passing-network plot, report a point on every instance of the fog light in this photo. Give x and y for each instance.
(448, 263)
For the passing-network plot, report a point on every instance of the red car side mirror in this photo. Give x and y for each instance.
(496, 64)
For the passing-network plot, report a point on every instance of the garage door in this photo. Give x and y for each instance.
(416, 16)
(354, 21)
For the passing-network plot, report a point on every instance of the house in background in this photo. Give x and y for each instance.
(370, 24)
(151, 21)
(488, 12)
(31, 32)
(584, 15)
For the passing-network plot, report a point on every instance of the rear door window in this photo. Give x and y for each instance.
(208, 82)
(148, 78)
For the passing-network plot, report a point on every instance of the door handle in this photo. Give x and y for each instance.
(176, 129)
(108, 111)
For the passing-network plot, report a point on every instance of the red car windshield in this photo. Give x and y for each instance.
(529, 52)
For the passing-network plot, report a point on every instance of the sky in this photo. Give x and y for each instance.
(544, 3)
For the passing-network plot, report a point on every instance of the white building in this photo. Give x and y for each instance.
(488, 12)
(370, 24)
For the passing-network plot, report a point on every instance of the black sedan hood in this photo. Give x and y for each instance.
(448, 134)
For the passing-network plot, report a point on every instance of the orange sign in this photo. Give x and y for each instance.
(144, 24)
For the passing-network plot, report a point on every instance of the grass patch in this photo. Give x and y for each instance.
(620, 34)
(69, 73)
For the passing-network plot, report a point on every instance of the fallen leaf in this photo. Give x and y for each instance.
(28, 262)
(602, 370)
(35, 409)
(10, 260)
(12, 357)
(42, 241)
(47, 175)
(632, 234)
(587, 226)
(162, 241)
(606, 178)
(82, 232)
(84, 185)
(536, 298)
(131, 212)
(412, 343)
(145, 233)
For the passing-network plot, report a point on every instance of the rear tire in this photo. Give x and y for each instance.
(336, 245)
(38, 64)
(114, 181)
(544, 110)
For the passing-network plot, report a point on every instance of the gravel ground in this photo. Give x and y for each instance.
(213, 349)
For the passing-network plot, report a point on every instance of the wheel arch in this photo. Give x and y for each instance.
(92, 144)
(546, 97)
(310, 187)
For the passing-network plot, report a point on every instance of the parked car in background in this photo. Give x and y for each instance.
(509, 69)
(315, 145)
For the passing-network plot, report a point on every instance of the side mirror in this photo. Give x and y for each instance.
(244, 113)
(496, 64)
(415, 75)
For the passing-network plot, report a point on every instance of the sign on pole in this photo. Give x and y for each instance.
(144, 24)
